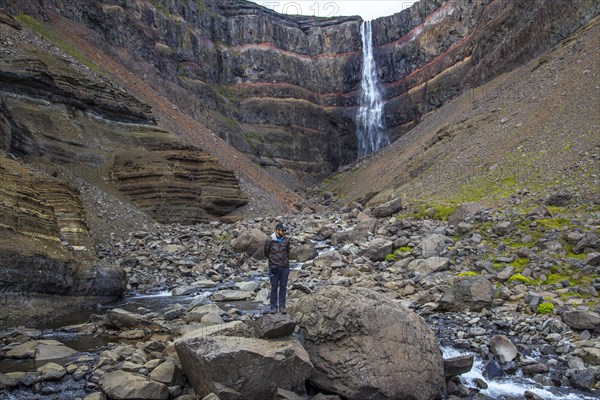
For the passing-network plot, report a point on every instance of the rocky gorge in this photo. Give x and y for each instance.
(371, 300)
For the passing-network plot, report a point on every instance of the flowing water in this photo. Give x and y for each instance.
(513, 387)
(369, 117)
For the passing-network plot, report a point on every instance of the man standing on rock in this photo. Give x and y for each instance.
(277, 251)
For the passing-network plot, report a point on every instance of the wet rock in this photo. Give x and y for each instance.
(126, 385)
(393, 351)
(42, 350)
(10, 380)
(582, 320)
(503, 348)
(458, 365)
(274, 326)
(123, 319)
(584, 380)
(535, 369)
(52, 371)
(230, 295)
(261, 366)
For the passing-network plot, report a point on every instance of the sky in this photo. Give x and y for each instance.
(367, 9)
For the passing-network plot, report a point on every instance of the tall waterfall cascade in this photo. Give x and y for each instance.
(369, 117)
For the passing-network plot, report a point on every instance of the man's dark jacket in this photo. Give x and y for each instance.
(278, 253)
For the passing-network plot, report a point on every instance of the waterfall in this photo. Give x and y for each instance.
(370, 110)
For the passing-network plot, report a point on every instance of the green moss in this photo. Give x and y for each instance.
(545, 308)
(468, 273)
(555, 278)
(394, 255)
(552, 223)
(439, 211)
(521, 279)
(520, 263)
(43, 30)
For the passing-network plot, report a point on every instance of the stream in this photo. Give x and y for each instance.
(507, 388)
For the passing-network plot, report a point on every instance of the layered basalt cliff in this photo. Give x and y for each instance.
(63, 127)
(283, 89)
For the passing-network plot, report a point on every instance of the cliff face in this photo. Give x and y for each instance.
(63, 127)
(283, 89)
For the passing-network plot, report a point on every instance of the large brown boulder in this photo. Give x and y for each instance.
(251, 242)
(366, 346)
(237, 368)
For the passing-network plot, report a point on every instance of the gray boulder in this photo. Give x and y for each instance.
(387, 209)
(433, 245)
(458, 365)
(127, 385)
(365, 345)
(377, 249)
(471, 293)
(242, 368)
(303, 252)
(503, 348)
(251, 242)
(329, 260)
(582, 320)
(464, 213)
(274, 326)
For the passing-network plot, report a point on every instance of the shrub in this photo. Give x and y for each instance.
(545, 308)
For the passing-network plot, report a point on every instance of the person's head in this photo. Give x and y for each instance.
(280, 230)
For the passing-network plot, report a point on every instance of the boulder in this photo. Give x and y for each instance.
(251, 242)
(196, 314)
(303, 252)
(471, 293)
(329, 260)
(464, 213)
(365, 345)
(582, 320)
(378, 249)
(433, 245)
(458, 365)
(127, 385)
(387, 209)
(242, 368)
(168, 373)
(234, 328)
(230, 295)
(428, 266)
(503, 348)
(274, 326)
(42, 350)
(52, 371)
(127, 320)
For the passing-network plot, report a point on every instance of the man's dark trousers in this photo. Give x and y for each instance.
(279, 278)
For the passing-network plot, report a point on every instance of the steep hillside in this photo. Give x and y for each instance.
(283, 90)
(523, 137)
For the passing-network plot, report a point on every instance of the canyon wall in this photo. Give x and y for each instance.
(283, 89)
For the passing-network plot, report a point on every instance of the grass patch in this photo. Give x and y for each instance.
(43, 30)
(468, 273)
(392, 257)
(520, 263)
(437, 211)
(545, 308)
(522, 279)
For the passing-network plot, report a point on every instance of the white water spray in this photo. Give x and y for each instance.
(370, 111)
